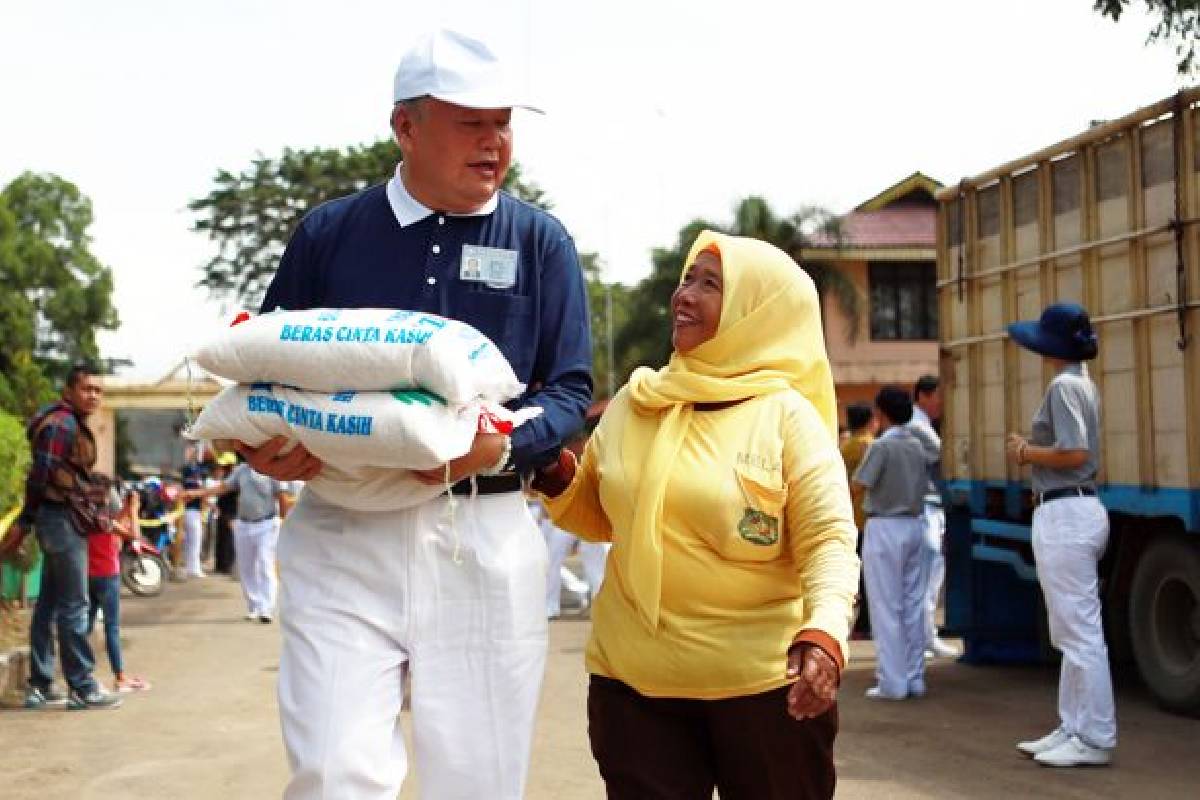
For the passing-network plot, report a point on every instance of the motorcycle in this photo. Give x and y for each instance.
(144, 570)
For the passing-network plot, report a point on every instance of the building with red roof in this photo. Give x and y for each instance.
(886, 247)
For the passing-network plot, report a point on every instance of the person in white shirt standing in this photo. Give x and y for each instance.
(927, 410)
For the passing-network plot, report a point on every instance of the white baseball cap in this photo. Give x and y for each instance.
(458, 69)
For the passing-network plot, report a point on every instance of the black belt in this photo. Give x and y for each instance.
(488, 484)
(1067, 491)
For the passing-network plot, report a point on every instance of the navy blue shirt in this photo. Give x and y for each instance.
(353, 253)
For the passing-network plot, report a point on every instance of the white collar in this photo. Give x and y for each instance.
(409, 210)
(920, 416)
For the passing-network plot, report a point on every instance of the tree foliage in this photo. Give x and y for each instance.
(54, 293)
(14, 461)
(1176, 21)
(645, 336)
(251, 214)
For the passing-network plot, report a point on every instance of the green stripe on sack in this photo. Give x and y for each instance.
(417, 397)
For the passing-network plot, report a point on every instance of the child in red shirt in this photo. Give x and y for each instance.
(104, 590)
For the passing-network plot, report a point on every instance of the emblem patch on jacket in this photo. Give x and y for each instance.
(760, 528)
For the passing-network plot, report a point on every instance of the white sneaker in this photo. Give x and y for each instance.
(875, 693)
(1074, 753)
(1048, 742)
(941, 649)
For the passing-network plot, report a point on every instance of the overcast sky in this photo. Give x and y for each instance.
(658, 112)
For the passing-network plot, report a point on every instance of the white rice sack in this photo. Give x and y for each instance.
(408, 429)
(364, 349)
(371, 488)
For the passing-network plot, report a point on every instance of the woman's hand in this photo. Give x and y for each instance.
(816, 685)
(553, 479)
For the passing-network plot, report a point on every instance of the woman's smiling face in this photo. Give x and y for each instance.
(696, 303)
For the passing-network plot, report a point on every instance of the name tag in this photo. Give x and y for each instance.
(488, 265)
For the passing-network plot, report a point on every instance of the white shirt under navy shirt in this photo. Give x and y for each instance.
(380, 248)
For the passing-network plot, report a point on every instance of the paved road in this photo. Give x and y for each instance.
(208, 728)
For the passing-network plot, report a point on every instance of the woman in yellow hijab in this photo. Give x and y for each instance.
(719, 636)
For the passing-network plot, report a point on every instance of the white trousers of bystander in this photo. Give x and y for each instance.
(934, 521)
(451, 603)
(1069, 537)
(193, 541)
(895, 567)
(254, 545)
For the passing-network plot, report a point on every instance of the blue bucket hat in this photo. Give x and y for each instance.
(1064, 331)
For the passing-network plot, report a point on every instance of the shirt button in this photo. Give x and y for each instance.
(437, 248)
(431, 280)
(441, 220)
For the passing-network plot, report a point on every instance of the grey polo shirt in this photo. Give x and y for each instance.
(895, 471)
(1069, 419)
(256, 493)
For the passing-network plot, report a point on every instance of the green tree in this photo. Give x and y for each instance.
(14, 461)
(645, 337)
(54, 293)
(604, 299)
(250, 215)
(1176, 21)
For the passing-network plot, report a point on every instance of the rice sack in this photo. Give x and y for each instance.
(371, 488)
(404, 428)
(362, 349)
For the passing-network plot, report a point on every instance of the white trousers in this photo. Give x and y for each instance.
(453, 606)
(593, 555)
(193, 541)
(934, 521)
(895, 565)
(254, 546)
(1069, 537)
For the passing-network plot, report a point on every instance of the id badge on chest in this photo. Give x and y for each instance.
(490, 266)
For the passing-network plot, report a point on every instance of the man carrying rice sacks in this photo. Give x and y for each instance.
(372, 597)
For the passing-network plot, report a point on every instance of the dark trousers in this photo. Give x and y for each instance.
(62, 603)
(223, 545)
(747, 748)
(104, 594)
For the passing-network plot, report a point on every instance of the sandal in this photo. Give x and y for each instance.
(132, 683)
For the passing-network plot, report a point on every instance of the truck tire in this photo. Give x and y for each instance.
(1165, 622)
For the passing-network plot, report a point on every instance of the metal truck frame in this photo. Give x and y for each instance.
(1107, 219)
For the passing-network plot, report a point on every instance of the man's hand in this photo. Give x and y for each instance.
(12, 540)
(1016, 447)
(485, 452)
(816, 683)
(296, 465)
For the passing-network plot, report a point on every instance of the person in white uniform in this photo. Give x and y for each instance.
(927, 409)
(447, 597)
(559, 543)
(894, 474)
(261, 502)
(1070, 533)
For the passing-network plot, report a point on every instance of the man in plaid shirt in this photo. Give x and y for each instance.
(63, 447)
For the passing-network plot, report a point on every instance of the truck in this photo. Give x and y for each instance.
(1106, 219)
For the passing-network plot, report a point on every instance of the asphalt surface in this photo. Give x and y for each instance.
(208, 727)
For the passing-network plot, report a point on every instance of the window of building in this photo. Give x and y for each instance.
(903, 301)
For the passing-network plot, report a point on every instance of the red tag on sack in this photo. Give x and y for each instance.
(489, 422)
(243, 316)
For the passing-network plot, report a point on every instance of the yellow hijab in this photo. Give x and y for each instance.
(769, 339)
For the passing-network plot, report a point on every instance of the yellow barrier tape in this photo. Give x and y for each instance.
(7, 520)
(158, 523)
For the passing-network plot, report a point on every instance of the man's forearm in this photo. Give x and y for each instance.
(564, 404)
